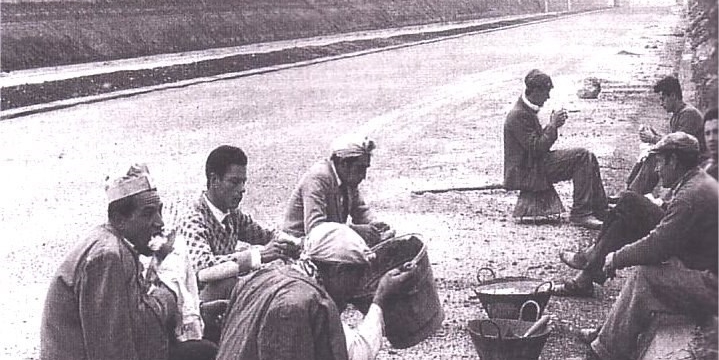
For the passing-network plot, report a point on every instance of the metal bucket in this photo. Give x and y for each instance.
(502, 298)
(415, 315)
(501, 339)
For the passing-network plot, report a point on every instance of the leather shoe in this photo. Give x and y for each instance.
(573, 259)
(586, 221)
(570, 288)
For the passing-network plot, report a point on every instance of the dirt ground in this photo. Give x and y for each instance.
(470, 230)
(449, 143)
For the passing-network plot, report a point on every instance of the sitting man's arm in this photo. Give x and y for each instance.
(662, 241)
(365, 341)
(201, 255)
(252, 232)
(536, 144)
(360, 211)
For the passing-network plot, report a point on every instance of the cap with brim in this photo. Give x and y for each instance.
(677, 141)
(538, 79)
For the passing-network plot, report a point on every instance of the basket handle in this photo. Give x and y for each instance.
(479, 274)
(529, 302)
(484, 321)
(536, 290)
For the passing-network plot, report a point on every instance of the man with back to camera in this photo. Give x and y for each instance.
(293, 311)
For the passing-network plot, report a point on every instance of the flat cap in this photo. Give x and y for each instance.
(538, 79)
(677, 141)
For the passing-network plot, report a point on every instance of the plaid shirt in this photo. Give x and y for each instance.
(209, 243)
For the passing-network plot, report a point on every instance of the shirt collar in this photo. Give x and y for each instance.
(681, 107)
(217, 213)
(529, 103)
(334, 172)
(683, 180)
(130, 245)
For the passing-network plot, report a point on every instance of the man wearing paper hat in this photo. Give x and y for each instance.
(531, 165)
(100, 304)
(677, 256)
(329, 192)
(293, 312)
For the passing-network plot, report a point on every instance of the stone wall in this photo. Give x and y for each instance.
(702, 32)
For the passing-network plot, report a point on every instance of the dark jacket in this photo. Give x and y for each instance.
(281, 314)
(689, 120)
(99, 307)
(687, 231)
(525, 145)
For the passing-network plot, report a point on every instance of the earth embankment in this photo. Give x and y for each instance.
(41, 34)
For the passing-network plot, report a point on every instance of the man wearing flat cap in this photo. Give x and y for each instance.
(328, 192)
(676, 262)
(101, 304)
(531, 165)
(293, 311)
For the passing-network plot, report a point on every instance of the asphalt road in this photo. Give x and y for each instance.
(436, 111)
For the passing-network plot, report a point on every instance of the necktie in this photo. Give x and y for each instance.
(226, 223)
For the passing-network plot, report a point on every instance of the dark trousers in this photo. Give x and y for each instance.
(643, 178)
(580, 166)
(216, 290)
(193, 350)
(668, 288)
(633, 218)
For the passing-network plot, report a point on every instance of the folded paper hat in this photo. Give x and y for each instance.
(677, 141)
(134, 182)
(538, 79)
(352, 145)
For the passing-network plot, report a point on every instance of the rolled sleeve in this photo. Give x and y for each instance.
(365, 341)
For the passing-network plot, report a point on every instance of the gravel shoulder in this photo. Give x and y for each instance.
(452, 138)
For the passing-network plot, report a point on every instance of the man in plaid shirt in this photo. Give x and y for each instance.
(223, 242)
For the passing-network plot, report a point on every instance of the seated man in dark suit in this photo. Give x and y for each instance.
(530, 164)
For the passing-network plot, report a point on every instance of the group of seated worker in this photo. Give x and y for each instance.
(135, 290)
(671, 240)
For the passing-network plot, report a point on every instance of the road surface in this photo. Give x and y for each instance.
(436, 111)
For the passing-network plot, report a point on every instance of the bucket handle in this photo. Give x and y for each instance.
(409, 265)
(536, 290)
(397, 237)
(484, 321)
(479, 274)
(529, 302)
